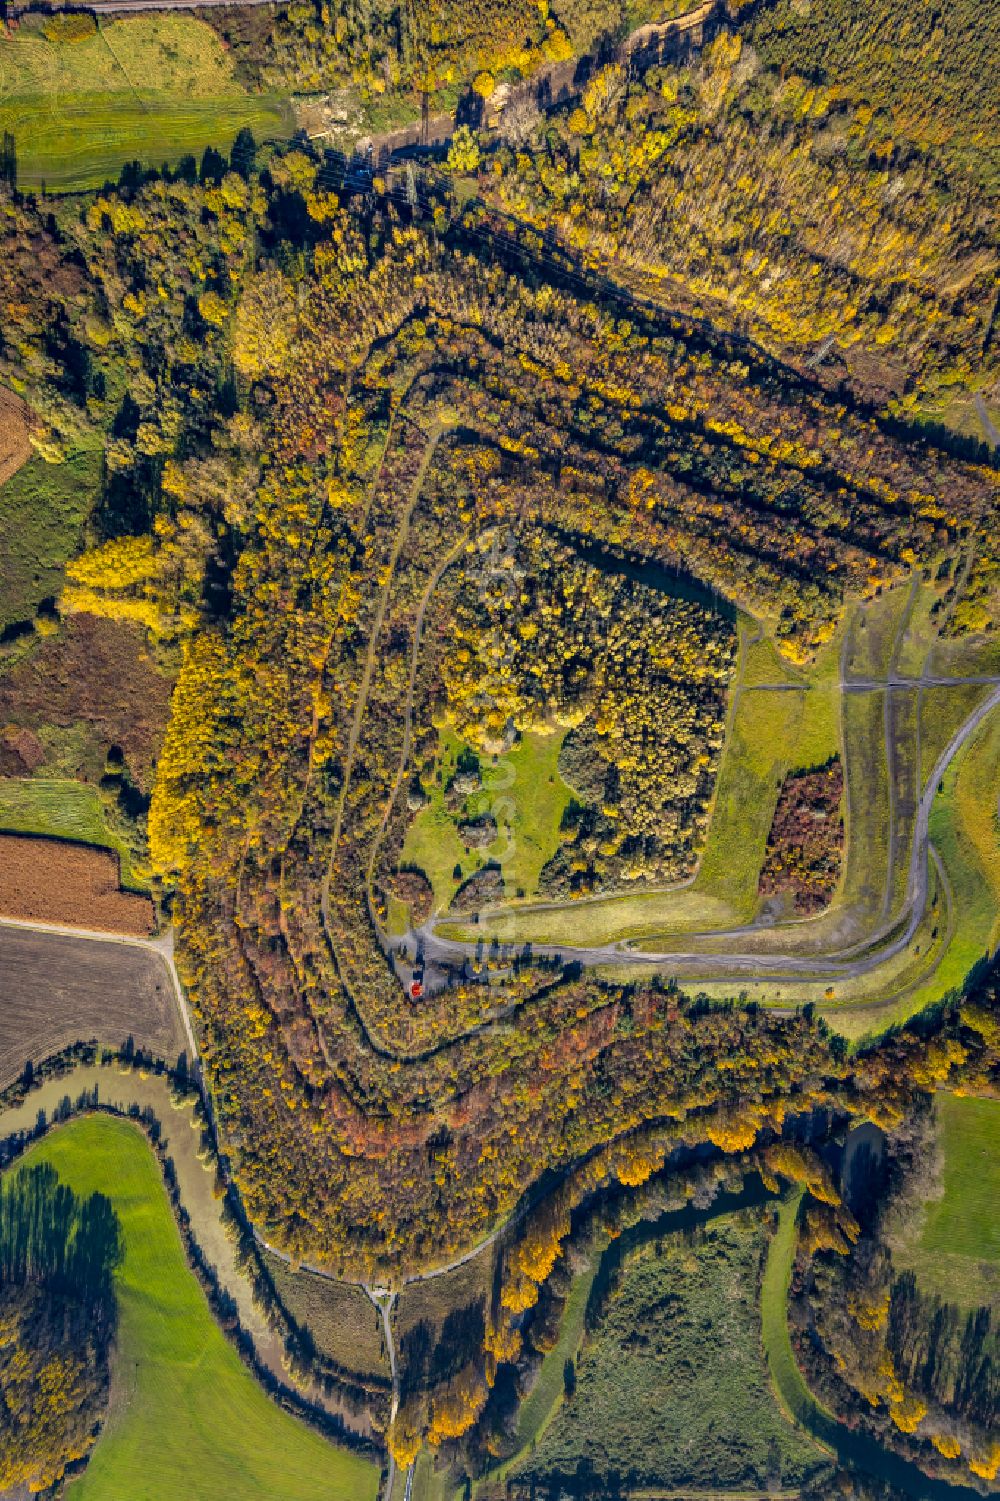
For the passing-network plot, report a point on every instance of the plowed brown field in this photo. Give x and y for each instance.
(15, 449)
(45, 880)
(55, 990)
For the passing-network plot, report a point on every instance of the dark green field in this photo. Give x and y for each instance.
(672, 1387)
(42, 509)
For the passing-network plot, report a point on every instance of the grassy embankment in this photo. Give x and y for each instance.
(965, 830)
(955, 1249)
(795, 1397)
(151, 88)
(543, 1402)
(187, 1418)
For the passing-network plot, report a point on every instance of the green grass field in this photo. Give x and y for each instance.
(153, 88)
(187, 1419)
(42, 510)
(867, 811)
(956, 1249)
(795, 1397)
(63, 809)
(942, 712)
(526, 795)
(543, 1401)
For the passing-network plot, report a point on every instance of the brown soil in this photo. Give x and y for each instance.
(15, 448)
(56, 990)
(21, 752)
(46, 880)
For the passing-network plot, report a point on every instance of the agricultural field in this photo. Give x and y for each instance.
(51, 881)
(67, 810)
(42, 510)
(671, 1386)
(952, 1241)
(55, 990)
(187, 1418)
(83, 98)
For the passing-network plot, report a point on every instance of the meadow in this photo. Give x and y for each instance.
(42, 511)
(186, 1418)
(340, 1318)
(154, 88)
(955, 1247)
(525, 793)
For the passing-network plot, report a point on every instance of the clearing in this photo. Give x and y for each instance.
(92, 686)
(340, 1318)
(526, 796)
(955, 1246)
(42, 510)
(15, 447)
(82, 102)
(187, 1419)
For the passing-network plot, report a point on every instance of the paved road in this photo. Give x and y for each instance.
(874, 685)
(988, 425)
(842, 964)
(383, 1301)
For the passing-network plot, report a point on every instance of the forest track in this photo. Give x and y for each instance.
(418, 630)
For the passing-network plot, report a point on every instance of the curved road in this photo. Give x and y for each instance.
(845, 964)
